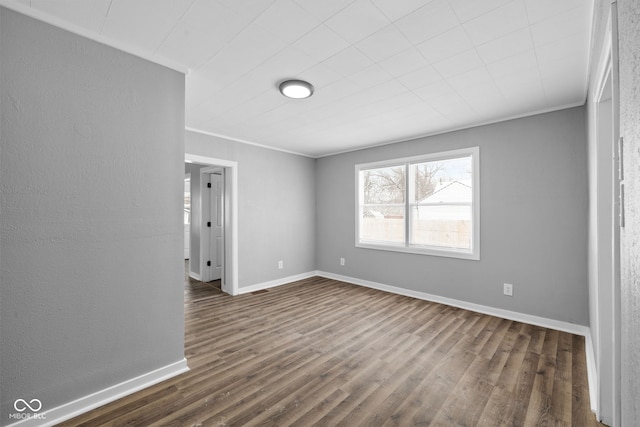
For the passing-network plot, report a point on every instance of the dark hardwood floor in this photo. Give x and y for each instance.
(319, 352)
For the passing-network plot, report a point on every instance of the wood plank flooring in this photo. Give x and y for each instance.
(319, 352)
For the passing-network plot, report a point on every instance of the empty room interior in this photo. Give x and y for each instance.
(304, 212)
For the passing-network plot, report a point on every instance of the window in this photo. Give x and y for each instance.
(427, 204)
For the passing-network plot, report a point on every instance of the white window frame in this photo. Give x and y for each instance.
(473, 253)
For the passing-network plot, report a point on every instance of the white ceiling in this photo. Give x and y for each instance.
(383, 70)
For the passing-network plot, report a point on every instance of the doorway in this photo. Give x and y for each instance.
(218, 249)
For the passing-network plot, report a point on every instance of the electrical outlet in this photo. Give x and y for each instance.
(342, 261)
(508, 289)
(280, 264)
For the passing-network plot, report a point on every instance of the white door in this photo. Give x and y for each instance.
(187, 216)
(216, 250)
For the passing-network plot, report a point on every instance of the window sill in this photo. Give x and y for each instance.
(430, 251)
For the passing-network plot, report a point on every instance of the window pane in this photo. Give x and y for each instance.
(441, 212)
(383, 185)
(432, 177)
(382, 209)
(448, 226)
(382, 224)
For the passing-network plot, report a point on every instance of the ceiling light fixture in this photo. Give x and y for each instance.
(297, 89)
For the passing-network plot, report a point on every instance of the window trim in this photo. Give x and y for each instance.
(406, 247)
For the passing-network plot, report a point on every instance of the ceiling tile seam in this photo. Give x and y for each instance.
(311, 110)
(291, 43)
(493, 80)
(329, 17)
(368, 115)
(484, 13)
(486, 63)
(104, 19)
(357, 106)
(337, 35)
(299, 127)
(226, 45)
(445, 80)
(476, 46)
(555, 14)
(354, 43)
(323, 23)
(361, 123)
(387, 16)
(235, 107)
(443, 77)
(544, 89)
(237, 79)
(396, 79)
(555, 41)
(533, 50)
(178, 21)
(501, 37)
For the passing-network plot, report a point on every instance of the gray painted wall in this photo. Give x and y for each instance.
(629, 33)
(276, 208)
(91, 181)
(533, 175)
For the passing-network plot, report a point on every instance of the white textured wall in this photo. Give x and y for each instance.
(629, 35)
(91, 181)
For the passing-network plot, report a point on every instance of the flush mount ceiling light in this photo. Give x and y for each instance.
(297, 89)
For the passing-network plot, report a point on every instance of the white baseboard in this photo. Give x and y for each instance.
(492, 311)
(102, 397)
(277, 282)
(195, 276)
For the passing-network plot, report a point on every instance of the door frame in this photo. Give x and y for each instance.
(230, 268)
(608, 377)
